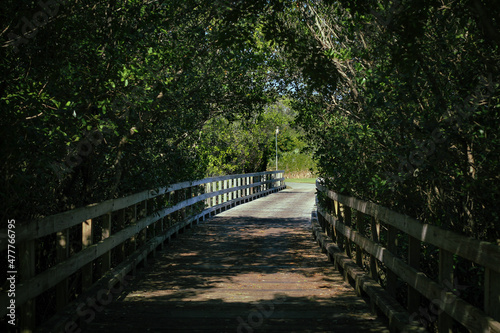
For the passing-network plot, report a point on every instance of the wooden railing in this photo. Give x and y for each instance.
(98, 245)
(357, 234)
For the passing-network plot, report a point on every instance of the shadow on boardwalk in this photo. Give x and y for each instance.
(239, 274)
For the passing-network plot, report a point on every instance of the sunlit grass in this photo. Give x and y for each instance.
(301, 180)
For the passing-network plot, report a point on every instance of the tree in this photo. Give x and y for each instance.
(103, 99)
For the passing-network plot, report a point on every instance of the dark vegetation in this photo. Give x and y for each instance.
(398, 100)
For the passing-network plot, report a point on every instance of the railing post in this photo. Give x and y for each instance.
(120, 223)
(62, 247)
(219, 197)
(445, 322)
(133, 239)
(183, 194)
(413, 261)
(87, 240)
(143, 233)
(375, 232)
(392, 278)
(360, 224)
(225, 188)
(347, 222)
(492, 293)
(252, 180)
(339, 236)
(151, 229)
(106, 232)
(247, 190)
(27, 317)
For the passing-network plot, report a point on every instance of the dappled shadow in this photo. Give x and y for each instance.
(281, 313)
(239, 274)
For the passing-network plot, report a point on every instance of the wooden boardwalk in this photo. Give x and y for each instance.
(253, 268)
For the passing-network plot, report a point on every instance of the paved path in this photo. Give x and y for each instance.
(253, 268)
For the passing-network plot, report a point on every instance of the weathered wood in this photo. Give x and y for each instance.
(219, 187)
(52, 276)
(339, 236)
(87, 240)
(120, 223)
(65, 220)
(483, 253)
(414, 262)
(109, 281)
(445, 322)
(218, 301)
(208, 190)
(360, 225)
(346, 211)
(224, 187)
(468, 315)
(391, 276)
(492, 293)
(375, 232)
(398, 317)
(106, 232)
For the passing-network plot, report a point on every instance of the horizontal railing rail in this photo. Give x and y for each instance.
(343, 220)
(111, 238)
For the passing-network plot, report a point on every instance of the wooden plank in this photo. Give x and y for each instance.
(87, 236)
(61, 221)
(224, 187)
(49, 278)
(470, 316)
(492, 293)
(360, 225)
(27, 319)
(414, 262)
(62, 246)
(375, 232)
(134, 238)
(346, 212)
(396, 314)
(208, 190)
(120, 251)
(219, 187)
(445, 322)
(113, 278)
(483, 253)
(251, 189)
(106, 232)
(214, 197)
(339, 236)
(391, 276)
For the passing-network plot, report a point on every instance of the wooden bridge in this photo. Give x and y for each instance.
(236, 254)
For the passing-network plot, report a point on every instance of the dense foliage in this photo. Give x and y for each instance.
(399, 99)
(250, 145)
(412, 120)
(101, 99)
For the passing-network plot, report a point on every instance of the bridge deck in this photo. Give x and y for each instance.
(253, 268)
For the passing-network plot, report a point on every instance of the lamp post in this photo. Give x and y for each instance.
(277, 131)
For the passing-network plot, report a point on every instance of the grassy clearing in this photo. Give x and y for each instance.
(301, 180)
